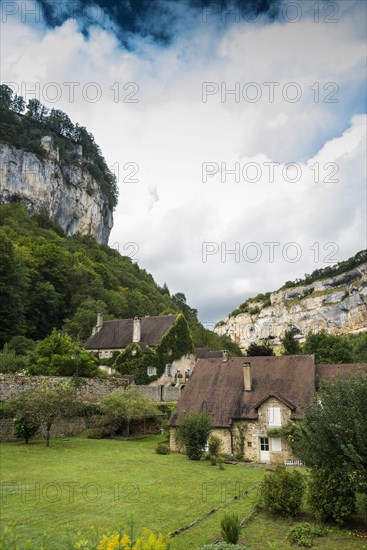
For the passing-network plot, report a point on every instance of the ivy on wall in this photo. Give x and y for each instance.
(174, 344)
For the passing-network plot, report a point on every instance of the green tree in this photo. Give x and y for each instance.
(45, 405)
(120, 408)
(6, 97)
(11, 362)
(59, 355)
(333, 442)
(12, 284)
(334, 429)
(290, 344)
(21, 345)
(194, 432)
(80, 325)
(36, 110)
(329, 348)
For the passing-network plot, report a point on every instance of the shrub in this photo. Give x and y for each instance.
(147, 540)
(25, 427)
(162, 449)
(230, 528)
(281, 492)
(194, 432)
(331, 495)
(303, 534)
(214, 445)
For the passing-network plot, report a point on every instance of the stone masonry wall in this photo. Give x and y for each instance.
(92, 389)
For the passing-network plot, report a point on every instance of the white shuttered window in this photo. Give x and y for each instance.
(274, 416)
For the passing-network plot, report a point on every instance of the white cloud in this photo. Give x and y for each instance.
(171, 132)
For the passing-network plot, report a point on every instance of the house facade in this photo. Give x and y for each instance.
(166, 336)
(251, 398)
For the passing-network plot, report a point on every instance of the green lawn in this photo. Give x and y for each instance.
(78, 483)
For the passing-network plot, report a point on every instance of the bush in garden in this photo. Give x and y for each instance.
(162, 449)
(281, 492)
(331, 495)
(193, 433)
(214, 445)
(303, 534)
(230, 528)
(147, 541)
(25, 427)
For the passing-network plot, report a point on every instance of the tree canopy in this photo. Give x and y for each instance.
(51, 281)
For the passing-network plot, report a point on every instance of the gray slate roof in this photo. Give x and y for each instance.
(118, 334)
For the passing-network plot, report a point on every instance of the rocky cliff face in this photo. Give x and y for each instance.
(69, 194)
(336, 305)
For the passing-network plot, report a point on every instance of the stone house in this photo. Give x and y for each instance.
(138, 336)
(250, 398)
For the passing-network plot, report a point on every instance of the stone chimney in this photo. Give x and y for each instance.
(136, 330)
(247, 380)
(99, 324)
(225, 355)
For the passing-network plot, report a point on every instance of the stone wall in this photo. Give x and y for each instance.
(92, 389)
(61, 428)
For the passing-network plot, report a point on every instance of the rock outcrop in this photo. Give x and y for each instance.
(337, 305)
(67, 192)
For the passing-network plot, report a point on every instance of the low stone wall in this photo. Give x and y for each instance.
(61, 428)
(76, 425)
(92, 389)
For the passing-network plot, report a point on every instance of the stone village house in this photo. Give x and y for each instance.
(249, 396)
(146, 333)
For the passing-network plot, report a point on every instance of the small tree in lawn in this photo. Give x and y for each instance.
(45, 404)
(194, 432)
(123, 407)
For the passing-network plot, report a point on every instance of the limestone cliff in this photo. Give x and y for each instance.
(336, 304)
(60, 186)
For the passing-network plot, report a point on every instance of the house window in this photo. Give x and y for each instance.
(264, 443)
(168, 371)
(151, 371)
(249, 444)
(274, 416)
(276, 444)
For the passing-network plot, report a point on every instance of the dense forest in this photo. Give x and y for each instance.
(48, 280)
(25, 131)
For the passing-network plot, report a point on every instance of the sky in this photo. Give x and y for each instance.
(237, 131)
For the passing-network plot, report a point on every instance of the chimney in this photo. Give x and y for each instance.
(247, 382)
(225, 355)
(136, 329)
(99, 324)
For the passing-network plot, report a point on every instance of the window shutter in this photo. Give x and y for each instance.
(276, 444)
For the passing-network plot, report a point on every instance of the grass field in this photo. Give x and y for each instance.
(78, 483)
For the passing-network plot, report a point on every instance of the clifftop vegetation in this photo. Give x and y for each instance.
(25, 131)
(250, 306)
